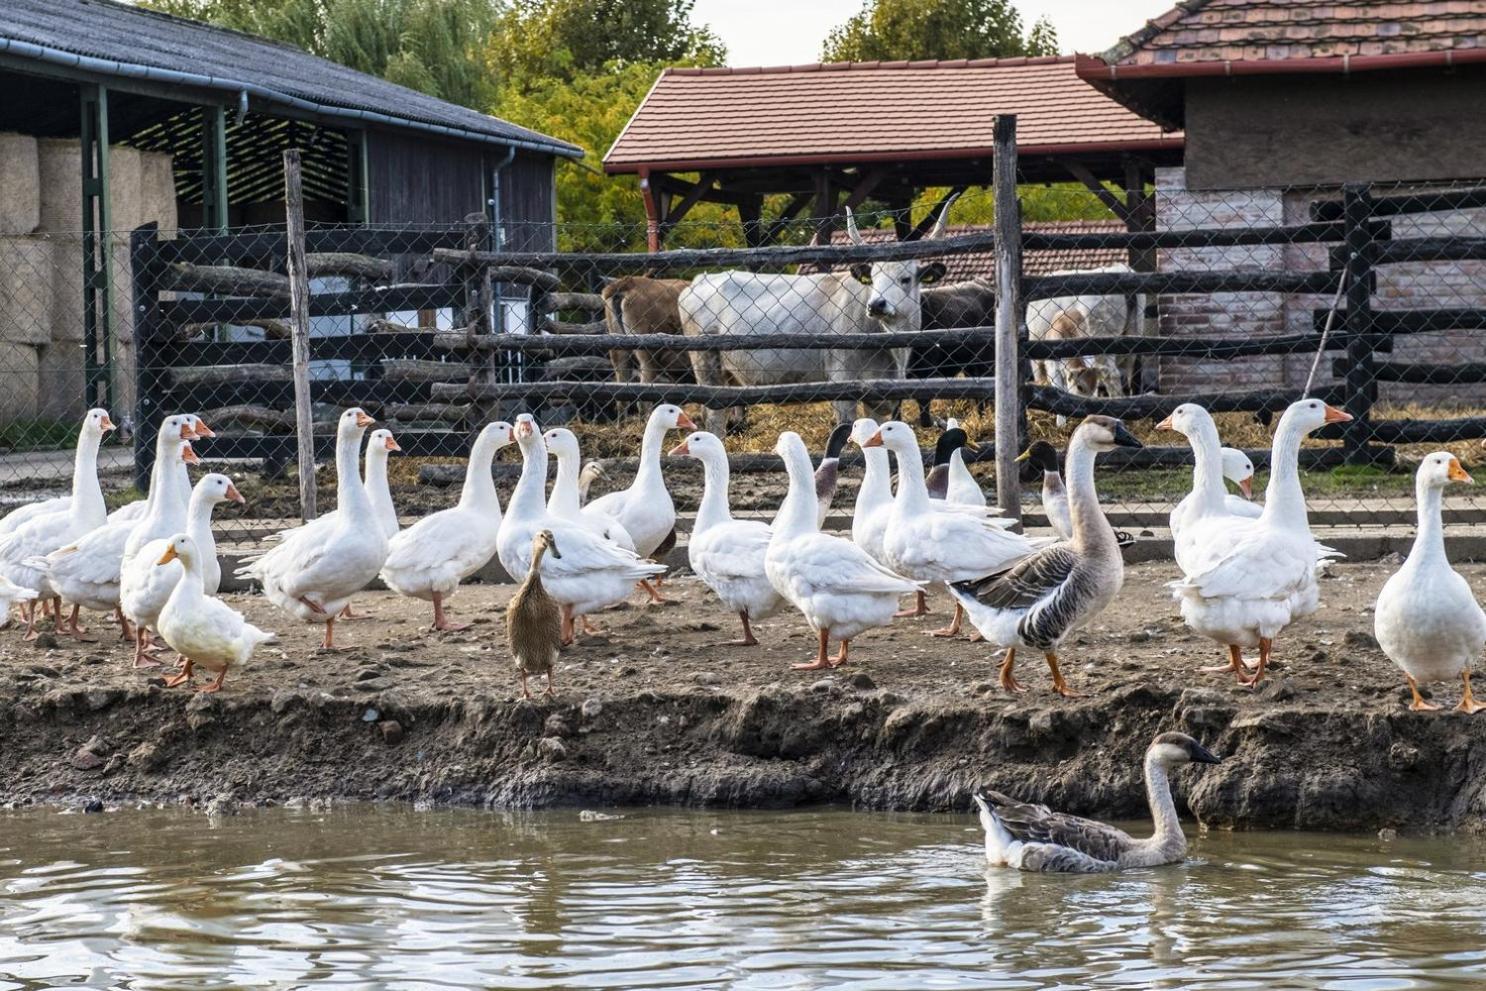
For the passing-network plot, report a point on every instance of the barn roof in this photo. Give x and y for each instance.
(1255, 37)
(963, 266)
(103, 38)
(855, 112)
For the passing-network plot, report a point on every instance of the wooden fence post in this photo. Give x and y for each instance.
(149, 376)
(299, 329)
(1008, 319)
(479, 307)
(1361, 379)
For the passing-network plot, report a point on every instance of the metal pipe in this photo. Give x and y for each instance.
(89, 63)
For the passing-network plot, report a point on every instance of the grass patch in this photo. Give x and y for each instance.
(38, 435)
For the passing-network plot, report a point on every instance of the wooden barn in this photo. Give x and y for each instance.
(831, 136)
(115, 116)
(1282, 103)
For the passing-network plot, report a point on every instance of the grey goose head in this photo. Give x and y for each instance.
(1175, 749)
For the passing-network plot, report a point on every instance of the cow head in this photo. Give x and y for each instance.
(893, 297)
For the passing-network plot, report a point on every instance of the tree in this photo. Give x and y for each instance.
(541, 40)
(889, 30)
(434, 46)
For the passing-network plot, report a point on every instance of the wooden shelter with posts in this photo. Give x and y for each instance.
(831, 136)
(115, 117)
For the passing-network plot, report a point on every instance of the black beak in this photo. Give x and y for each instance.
(1202, 755)
(1124, 438)
(552, 549)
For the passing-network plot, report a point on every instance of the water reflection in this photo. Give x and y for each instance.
(372, 898)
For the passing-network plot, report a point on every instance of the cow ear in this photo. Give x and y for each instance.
(862, 273)
(930, 273)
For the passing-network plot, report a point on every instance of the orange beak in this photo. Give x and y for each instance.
(202, 430)
(189, 456)
(1166, 424)
(1247, 488)
(107, 424)
(392, 444)
(168, 556)
(1334, 415)
(362, 420)
(186, 432)
(233, 494)
(875, 440)
(524, 428)
(1459, 474)
(681, 448)
(683, 422)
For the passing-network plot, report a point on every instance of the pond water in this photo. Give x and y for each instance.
(372, 897)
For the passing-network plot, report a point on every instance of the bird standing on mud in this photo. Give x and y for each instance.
(534, 619)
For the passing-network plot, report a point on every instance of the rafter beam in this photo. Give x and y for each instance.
(1110, 199)
(692, 197)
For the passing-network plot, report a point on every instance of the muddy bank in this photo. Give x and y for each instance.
(657, 711)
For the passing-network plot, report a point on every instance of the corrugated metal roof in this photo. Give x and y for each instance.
(1270, 30)
(871, 111)
(129, 40)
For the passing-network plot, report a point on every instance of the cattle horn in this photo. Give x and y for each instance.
(939, 224)
(851, 227)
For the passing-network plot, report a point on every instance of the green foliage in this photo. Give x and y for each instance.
(435, 46)
(545, 40)
(887, 30)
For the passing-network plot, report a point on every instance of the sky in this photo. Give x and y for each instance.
(789, 32)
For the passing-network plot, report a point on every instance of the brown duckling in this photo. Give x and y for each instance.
(534, 619)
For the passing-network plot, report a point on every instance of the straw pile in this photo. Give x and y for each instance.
(20, 193)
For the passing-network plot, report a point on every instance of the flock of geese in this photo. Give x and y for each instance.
(1247, 571)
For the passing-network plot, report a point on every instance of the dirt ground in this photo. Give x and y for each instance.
(660, 708)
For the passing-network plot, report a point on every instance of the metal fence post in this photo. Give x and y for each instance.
(299, 328)
(1008, 318)
(1357, 211)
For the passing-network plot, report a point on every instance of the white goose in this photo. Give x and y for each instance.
(1239, 470)
(566, 501)
(429, 559)
(144, 586)
(202, 629)
(950, 479)
(1035, 838)
(592, 573)
(874, 505)
(839, 589)
(180, 478)
(44, 533)
(379, 446)
(86, 572)
(644, 509)
(1248, 579)
(936, 542)
(727, 554)
(1209, 497)
(1427, 620)
(313, 575)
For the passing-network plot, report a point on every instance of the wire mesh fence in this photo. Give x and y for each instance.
(1215, 297)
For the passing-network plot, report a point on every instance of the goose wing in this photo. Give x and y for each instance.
(1025, 583)
(1038, 824)
(1254, 564)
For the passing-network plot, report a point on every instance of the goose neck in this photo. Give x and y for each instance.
(1089, 524)
(479, 483)
(87, 496)
(649, 470)
(913, 492)
(1284, 502)
(1163, 806)
(1429, 542)
(714, 507)
(564, 501)
(1207, 466)
(199, 516)
(528, 498)
(799, 513)
(350, 491)
(191, 587)
(877, 485)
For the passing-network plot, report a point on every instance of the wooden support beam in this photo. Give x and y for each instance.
(750, 213)
(826, 193)
(693, 196)
(1081, 172)
(1010, 313)
(779, 224)
(299, 322)
(869, 181)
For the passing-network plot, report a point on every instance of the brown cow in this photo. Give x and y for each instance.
(639, 304)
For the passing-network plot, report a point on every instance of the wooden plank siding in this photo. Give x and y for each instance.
(420, 180)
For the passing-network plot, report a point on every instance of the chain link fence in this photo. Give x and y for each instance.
(1215, 297)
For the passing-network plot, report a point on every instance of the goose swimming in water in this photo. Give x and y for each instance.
(1035, 838)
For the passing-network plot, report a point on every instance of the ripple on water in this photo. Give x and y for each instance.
(803, 900)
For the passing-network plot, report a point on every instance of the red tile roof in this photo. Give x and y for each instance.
(964, 266)
(871, 111)
(1206, 31)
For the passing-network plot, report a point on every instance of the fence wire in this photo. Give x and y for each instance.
(1214, 297)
